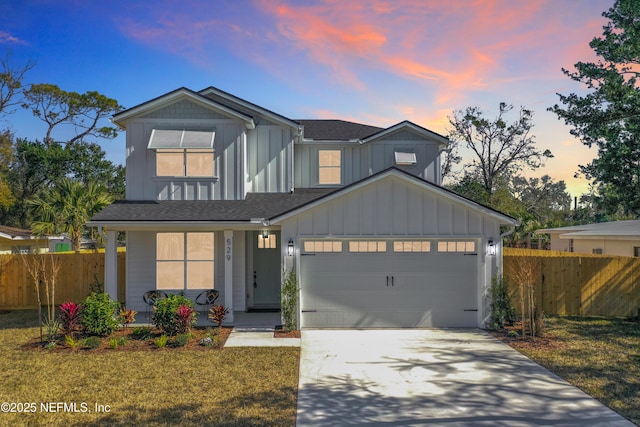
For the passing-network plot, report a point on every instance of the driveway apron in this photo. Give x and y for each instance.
(411, 377)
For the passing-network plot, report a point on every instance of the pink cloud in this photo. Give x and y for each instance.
(6, 38)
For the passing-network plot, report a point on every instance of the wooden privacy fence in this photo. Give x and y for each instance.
(575, 284)
(563, 283)
(77, 272)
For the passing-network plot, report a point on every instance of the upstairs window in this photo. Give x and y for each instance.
(329, 167)
(405, 159)
(183, 152)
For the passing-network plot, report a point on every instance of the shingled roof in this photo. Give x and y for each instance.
(336, 130)
(14, 233)
(255, 205)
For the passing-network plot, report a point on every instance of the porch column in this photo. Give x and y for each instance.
(228, 273)
(111, 265)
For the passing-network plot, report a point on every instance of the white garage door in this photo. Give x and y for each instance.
(389, 283)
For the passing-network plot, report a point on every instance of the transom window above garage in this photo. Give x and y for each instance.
(466, 246)
(311, 246)
(367, 246)
(411, 246)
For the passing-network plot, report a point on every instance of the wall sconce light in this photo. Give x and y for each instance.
(492, 247)
(290, 248)
(265, 234)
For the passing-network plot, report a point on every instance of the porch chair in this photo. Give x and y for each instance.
(207, 299)
(150, 298)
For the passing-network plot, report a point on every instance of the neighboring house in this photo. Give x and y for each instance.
(16, 240)
(609, 238)
(226, 194)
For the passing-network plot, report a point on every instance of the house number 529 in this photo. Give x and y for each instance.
(227, 249)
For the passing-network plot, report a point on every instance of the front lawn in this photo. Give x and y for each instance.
(235, 386)
(600, 356)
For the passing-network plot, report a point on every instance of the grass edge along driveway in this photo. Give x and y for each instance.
(601, 356)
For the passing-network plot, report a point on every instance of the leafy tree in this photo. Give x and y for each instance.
(84, 112)
(499, 149)
(66, 208)
(545, 200)
(7, 198)
(34, 167)
(609, 115)
(11, 83)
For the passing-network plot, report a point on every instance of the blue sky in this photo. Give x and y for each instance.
(377, 62)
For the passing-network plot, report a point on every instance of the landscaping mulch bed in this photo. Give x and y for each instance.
(512, 336)
(134, 344)
(282, 333)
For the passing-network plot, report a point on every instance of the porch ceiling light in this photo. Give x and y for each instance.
(265, 234)
(290, 248)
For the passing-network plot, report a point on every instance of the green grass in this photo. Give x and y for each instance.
(235, 386)
(600, 356)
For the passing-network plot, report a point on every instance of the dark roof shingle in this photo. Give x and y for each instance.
(255, 205)
(336, 130)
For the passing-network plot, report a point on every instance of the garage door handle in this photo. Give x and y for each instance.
(392, 279)
(387, 280)
(470, 309)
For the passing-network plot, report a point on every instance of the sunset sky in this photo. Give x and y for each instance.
(375, 62)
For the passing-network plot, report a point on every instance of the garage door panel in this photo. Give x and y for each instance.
(424, 290)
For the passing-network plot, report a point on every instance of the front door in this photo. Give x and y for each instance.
(266, 269)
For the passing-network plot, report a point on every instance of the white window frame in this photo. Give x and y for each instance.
(330, 167)
(457, 246)
(185, 161)
(186, 262)
(367, 246)
(271, 242)
(322, 246)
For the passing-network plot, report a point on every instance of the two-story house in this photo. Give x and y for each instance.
(225, 194)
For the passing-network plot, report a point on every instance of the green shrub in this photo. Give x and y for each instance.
(92, 342)
(71, 342)
(502, 311)
(116, 342)
(50, 345)
(182, 340)
(166, 318)
(141, 333)
(161, 341)
(99, 314)
(289, 301)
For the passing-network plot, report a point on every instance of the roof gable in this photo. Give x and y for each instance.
(399, 173)
(407, 126)
(180, 95)
(249, 108)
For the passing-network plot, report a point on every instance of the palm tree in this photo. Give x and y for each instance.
(66, 207)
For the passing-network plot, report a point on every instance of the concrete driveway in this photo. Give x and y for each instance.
(412, 377)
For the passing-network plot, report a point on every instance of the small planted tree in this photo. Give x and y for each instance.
(44, 269)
